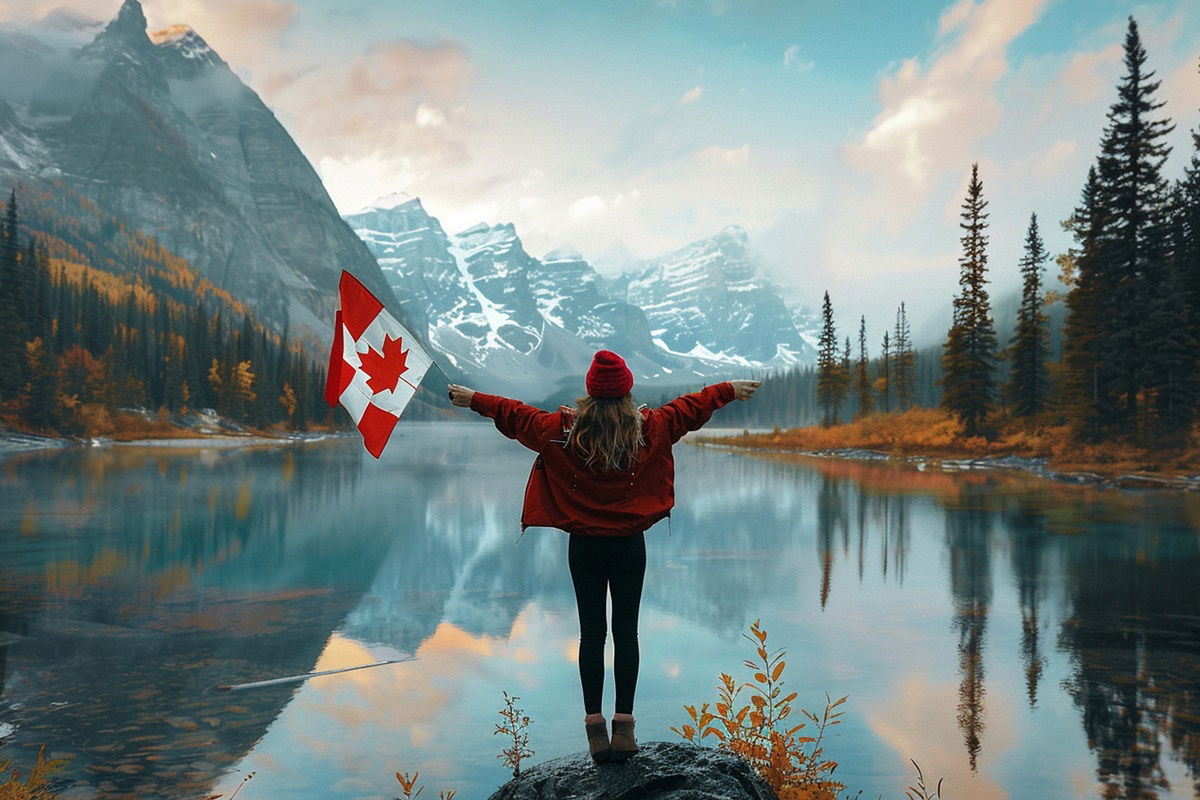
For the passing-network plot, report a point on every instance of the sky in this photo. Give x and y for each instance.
(840, 135)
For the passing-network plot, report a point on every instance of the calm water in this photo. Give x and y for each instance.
(1021, 638)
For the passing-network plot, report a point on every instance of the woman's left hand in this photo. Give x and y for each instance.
(744, 390)
(460, 395)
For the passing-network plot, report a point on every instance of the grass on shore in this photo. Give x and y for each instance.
(934, 432)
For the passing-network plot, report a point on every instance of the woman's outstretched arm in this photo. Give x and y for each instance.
(691, 411)
(528, 425)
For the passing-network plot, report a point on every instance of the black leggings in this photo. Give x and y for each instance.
(598, 563)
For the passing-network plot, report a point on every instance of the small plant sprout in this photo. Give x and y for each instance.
(241, 785)
(921, 791)
(407, 782)
(514, 725)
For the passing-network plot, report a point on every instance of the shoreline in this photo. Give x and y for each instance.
(1037, 465)
(16, 442)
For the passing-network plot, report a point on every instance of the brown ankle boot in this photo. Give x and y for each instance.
(597, 736)
(623, 743)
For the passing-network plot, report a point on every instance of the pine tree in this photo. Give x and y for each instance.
(969, 360)
(844, 378)
(903, 362)
(884, 380)
(1085, 325)
(862, 375)
(1186, 247)
(1029, 381)
(13, 365)
(1133, 243)
(827, 378)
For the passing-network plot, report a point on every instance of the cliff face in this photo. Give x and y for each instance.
(160, 133)
(659, 771)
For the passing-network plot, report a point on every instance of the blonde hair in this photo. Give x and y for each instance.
(607, 432)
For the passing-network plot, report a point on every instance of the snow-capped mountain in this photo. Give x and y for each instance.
(159, 132)
(708, 300)
(489, 306)
(491, 309)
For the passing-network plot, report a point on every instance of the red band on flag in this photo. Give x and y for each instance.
(359, 306)
(376, 426)
(340, 374)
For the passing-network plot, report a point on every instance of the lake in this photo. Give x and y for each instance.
(1021, 638)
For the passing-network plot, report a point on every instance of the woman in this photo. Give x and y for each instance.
(604, 474)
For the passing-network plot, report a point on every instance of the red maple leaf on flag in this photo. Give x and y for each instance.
(384, 369)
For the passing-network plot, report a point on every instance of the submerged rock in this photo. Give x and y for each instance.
(660, 771)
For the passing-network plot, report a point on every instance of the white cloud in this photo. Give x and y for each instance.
(691, 95)
(724, 156)
(954, 16)
(934, 116)
(429, 117)
(792, 60)
(586, 208)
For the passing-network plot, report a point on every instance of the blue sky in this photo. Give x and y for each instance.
(839, 134)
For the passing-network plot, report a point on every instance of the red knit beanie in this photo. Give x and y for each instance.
(608, 376)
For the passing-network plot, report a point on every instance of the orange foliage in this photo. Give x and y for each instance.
(793, 765)
(113, 288)
(934, 432)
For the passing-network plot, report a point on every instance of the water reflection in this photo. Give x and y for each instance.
(1019, 637)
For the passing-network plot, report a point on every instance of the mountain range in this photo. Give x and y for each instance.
(490, 307)
(158, 131)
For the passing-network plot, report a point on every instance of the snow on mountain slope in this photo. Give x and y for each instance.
(493, 309)
(708, 300)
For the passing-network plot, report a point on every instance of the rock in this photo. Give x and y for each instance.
(660, 771)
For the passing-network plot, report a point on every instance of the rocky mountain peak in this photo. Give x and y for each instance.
(124, 42)
(190, 50)
(390, 201)
(128, 26)
(484, 235)
(734, 234)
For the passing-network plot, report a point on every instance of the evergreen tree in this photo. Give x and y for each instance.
(827, 368)
(862, 375)
(969, 360)
(1133, 240)
(12, 314)
(1186, 244)
(903, 362)
(884, 380)
(1175, 381)
(1029, 381)
(1085, 324)
(844, 378)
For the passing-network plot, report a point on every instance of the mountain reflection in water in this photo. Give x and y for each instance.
(1022, 638)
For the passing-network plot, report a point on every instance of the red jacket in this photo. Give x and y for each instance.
(562, 493)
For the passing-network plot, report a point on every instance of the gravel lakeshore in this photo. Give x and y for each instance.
(1037, 466)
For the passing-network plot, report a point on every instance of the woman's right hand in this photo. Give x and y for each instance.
(744, 390)
(460, 395)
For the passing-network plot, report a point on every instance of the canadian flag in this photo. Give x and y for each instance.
(375, 365)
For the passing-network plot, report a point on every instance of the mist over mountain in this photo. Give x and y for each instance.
(158, 131)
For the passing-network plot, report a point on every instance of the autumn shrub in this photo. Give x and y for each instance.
(759, 731)
(35, 785)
